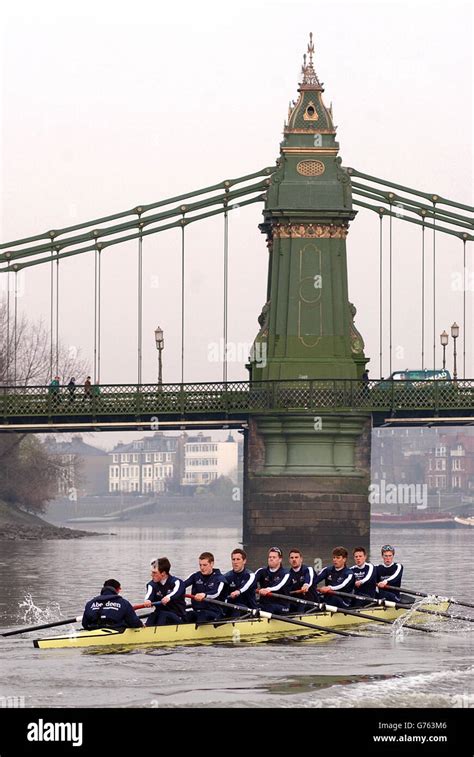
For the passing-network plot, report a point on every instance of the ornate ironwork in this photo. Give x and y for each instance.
(309, 231)
(310, 79)
(239, 398)
(310, 168)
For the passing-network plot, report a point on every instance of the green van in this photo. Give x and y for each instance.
(416, 378)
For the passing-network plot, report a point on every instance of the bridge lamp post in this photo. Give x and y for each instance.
(444, 338)
(455, 334)
(160, 343)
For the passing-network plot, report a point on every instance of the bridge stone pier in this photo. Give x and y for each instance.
(305, 488)
(306, 476)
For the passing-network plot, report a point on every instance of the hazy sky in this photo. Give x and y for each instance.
(108, 105)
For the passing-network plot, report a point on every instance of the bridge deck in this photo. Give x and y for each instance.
(232, 403)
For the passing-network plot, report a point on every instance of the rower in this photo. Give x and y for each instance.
(240, 582)
(273, 577)
(336, 576)
(389, 574)
(110, 610)
(300, 580)
(365, 577)
(169, 591)
(206, 582)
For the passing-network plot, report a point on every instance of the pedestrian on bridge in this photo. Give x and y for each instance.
(87, 388)
(71, 387)
(365, 384)
(54, 386)
(54, 389)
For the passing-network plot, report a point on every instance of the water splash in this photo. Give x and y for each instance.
(28, 612)
(411, 615)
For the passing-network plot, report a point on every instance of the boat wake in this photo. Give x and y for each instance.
(447, 688)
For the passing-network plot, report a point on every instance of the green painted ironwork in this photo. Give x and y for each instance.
(307, 328)
(233, 399)
(139, 209)
(56, 249)
(431, 196)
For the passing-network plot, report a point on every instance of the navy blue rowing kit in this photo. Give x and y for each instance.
(275, 580)
(340, 580)
(109, 610)
(245, 583)
(213, 587)
(173, 611)
(296, 580)
(367, 576)
(393, 575)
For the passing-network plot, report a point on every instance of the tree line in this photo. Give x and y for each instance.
(28, 472)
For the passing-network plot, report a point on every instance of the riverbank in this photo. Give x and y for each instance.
(18, 525)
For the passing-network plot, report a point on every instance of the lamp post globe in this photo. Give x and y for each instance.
(160, 342)
(444, 339)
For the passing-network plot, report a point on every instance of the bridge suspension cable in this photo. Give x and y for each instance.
(54, 316)
(426, 195)
(57, 245)
(15, 332)
(226, 292)
(140, 303)
(434, 287)
(427, 210)
(464, 290)
(423, 296)
(432, 211)
(97, 314)
(381, 295)
(51, 314)
(57, 316)
(183, 272)
(7, 376)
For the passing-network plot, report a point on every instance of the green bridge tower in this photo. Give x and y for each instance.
(306, 478)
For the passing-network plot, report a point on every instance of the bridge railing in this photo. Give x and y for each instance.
(238, 398)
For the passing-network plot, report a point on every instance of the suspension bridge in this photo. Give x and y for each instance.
(308, 405)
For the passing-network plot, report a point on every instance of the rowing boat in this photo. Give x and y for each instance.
(247, 629)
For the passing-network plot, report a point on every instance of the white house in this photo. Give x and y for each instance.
(206, 459)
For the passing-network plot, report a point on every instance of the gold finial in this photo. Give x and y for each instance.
(310, 48)
(310, 79)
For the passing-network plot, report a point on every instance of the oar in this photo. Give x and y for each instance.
(401, 606)
(77, 619)
(421, 594)
(344, 611)
(265, 614)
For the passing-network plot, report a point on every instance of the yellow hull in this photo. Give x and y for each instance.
(234, 631)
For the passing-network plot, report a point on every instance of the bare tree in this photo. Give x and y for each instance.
(29, 474)
(26, 350)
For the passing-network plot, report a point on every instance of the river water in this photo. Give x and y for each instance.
(383, 670)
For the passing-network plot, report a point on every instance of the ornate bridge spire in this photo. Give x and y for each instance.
(309, 115)
(310, 79)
